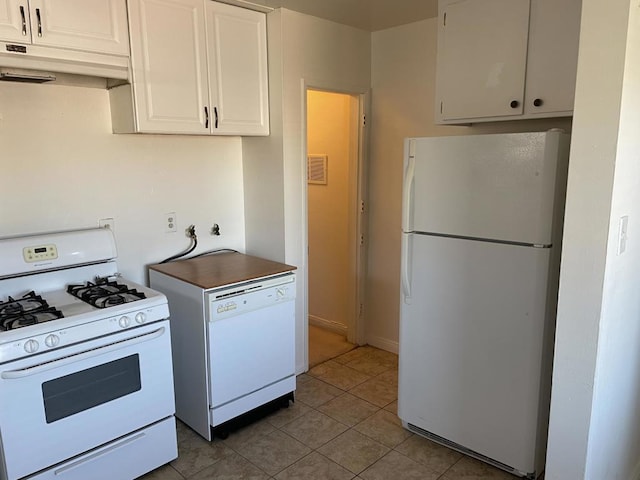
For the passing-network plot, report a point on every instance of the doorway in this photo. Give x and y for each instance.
(334, 216)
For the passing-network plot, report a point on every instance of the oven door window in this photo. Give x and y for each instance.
(80, 391)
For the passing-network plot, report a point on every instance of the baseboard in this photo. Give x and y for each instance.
(330, 325)
(383, 343)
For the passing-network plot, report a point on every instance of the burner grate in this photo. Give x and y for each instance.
(105, 294)
(25, 311)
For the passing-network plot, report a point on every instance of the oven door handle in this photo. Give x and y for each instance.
(46, 366)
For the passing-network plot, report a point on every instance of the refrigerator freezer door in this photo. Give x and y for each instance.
(471, 344)
(499, 187)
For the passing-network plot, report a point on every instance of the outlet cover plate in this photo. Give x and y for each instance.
(170, 222)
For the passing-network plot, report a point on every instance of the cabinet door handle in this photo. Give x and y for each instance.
(514, 103)
(39, 22)
(206, 117)
(215, 112)
(537, 102)
(24, 21)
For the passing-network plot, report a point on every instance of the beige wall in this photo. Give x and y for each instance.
(594, 431)
(326, 55)
(62, 168)
(403, 81)
(304, 52)
(329, 133)
(263, 163)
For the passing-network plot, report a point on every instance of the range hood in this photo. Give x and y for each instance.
(25, 76)
(34, 63)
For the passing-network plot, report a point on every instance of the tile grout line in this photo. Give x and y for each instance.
(382, 428)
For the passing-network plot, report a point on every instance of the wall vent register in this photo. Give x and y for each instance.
(317, 169)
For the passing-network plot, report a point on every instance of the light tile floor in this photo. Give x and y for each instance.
(343, 425)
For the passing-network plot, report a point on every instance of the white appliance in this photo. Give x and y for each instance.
(86, 386)
(482, 221)
(233, 334)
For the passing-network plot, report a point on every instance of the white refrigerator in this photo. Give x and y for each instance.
(482, 226)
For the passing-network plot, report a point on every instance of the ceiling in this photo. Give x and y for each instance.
(370, 15)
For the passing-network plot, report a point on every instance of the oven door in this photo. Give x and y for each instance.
(62, 403)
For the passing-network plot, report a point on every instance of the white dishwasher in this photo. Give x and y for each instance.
(251, 345)
(233, 336)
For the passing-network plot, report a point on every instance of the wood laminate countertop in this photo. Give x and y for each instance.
(220, 269)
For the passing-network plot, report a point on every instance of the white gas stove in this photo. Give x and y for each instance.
(85, 362)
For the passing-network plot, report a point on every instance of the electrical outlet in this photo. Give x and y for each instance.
(107, 223)
(170, 222)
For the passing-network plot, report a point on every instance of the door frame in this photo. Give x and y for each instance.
(357, 216)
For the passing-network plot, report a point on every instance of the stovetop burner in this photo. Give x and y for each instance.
(28, 310)
(105, 294)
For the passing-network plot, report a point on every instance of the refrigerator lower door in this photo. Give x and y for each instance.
(472, 339)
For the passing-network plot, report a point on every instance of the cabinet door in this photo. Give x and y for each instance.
(482, 51)
(168, 58)
(554, 34)
(237, 46)
(14, 21)
(88, 25)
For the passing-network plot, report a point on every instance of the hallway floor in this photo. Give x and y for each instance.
(325, 345)
(343, 425)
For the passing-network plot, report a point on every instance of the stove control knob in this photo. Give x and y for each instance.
(124, 322)
(31, 346)
(52, 341)
(141, 317)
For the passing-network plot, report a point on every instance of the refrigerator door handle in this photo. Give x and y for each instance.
(407, 196)
(407, 243)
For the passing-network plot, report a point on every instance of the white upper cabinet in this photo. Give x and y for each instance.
(98, 26)
(168, 57)
(237, 46)
(14, 21)
(198, 67)
(506, 59)
(552, 62)
(482, 54)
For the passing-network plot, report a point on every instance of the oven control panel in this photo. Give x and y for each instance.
(39, 253)
(73, 331)
(34, 253)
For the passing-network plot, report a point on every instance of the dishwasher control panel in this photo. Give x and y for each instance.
(250, 296)
(226, 307)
